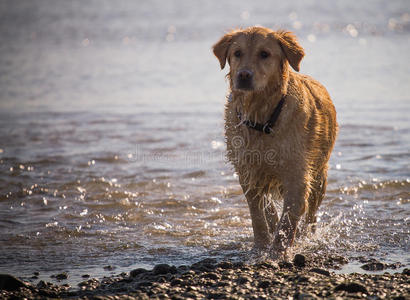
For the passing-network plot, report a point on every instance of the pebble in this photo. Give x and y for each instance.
(352, 287)
(61, 276)
(374, 266)
(299, 261)
(137, 272)
(10, 283)
(209, 279)
(109, 268)
(320, 271)
(164, 269)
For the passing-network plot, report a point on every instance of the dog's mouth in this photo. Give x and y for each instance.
(244, 80)
(244, 85)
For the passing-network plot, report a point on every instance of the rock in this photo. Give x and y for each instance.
(266, 265)
(62, 276)
(351, 287)
(320, 271)
(374, 266)
(243, 280)
(219, 295)
(299, 261)
(10, 283)
(164, 269)
(210, 275)
(264, 284)
(41, 284)
(406, 272)
(205, 265)
(90, 283)
(36, 273)
(183, 268)
(137, 272)
(225, 265)
(285, 265)
(145, 283)
(109, 268)
(304, 296)
(238, 265)
(85, 276)
(176, 281)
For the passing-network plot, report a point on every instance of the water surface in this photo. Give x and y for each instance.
(111, 132)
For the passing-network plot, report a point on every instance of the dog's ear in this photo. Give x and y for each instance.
(290, 46)
(221, 48)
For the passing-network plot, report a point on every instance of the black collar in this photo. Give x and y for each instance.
(267, 127)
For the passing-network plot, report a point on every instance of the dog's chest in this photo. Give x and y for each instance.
(248, 148)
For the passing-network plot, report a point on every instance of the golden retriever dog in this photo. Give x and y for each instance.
(280, 128)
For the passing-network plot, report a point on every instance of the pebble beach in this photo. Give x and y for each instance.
(303, 278)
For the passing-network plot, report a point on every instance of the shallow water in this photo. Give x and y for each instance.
(111, 130)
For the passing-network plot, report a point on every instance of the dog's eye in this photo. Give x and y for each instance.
(264, 54)
(237, 53)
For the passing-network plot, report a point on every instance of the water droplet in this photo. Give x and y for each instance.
(170, 37)
(293, 16)
(311, 38)
(352, 30)
(85, 42)
(172, 29)
(392, 24)
(245, 15)
(297, 25)
(126, 40)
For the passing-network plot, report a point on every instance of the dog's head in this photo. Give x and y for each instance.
(256, 56)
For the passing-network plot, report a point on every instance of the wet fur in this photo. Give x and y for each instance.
(290, 163)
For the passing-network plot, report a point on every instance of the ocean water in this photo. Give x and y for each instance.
(111, 132)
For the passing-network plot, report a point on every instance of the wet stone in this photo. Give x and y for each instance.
(285, 265)
(137, 272)
(61, 276)
(352, 287)
(264, 284)
(225, 265)
(320, 271)
(243, 280)
(374, 266)
(164, 269)
(211, 275)
(109, 268)
(10, 283)
(299, 260)
(177, 281)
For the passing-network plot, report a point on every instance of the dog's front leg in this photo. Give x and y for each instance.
(294, 206)
(262, 238)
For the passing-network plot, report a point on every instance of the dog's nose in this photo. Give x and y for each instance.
(244, 80)
(245, 75)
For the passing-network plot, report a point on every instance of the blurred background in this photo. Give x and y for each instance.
(111, 131)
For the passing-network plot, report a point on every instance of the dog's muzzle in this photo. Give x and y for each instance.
(244, 80)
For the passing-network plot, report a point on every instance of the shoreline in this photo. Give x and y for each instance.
(303, 278)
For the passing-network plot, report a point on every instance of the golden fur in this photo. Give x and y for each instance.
(291, 162)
